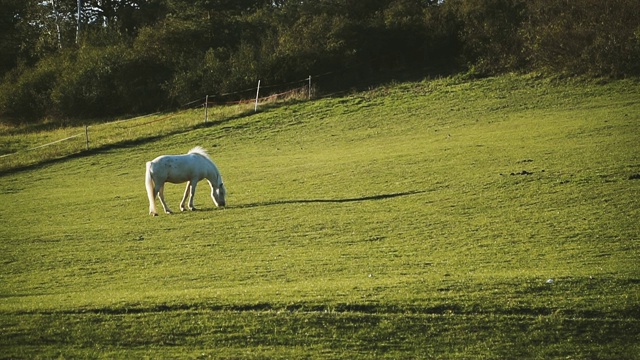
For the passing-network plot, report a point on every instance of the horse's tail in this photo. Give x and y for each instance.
(148, 180)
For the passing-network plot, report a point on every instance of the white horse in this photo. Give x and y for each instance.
(191, 167)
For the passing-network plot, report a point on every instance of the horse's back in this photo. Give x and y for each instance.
(180, 168)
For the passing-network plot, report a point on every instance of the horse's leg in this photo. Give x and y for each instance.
(193, 193)
(184, 198)
(152, 201)
(164, 204)
(151, 190)
(213, 195)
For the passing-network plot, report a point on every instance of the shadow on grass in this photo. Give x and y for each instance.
(123, 144)
(313, 201)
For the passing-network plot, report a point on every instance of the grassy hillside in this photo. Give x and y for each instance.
(494, 218)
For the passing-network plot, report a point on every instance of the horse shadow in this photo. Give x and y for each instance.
(324, 201)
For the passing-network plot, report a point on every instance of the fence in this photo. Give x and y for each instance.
(204, 103)
(331, 80)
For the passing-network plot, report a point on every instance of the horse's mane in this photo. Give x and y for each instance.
(200, 151)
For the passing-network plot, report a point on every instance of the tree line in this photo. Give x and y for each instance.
(78, 59)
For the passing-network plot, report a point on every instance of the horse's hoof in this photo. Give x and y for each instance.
(153, 214)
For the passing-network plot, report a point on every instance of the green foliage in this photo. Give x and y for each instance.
(26, 92)
(86, 85)
(10, 39)
(585, 37)
(493, 218)
(490, 34)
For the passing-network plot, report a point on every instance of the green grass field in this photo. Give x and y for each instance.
(492, 218)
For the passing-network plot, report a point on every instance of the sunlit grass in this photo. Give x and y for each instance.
(494, 218)
(22, 146)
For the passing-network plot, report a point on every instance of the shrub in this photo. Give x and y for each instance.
(584, 37)
(25, 92)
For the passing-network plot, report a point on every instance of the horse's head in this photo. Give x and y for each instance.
(219, 195)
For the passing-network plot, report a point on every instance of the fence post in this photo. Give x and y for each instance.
(206, 109)
(309, 87)
(255, 108)
(86, 135)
